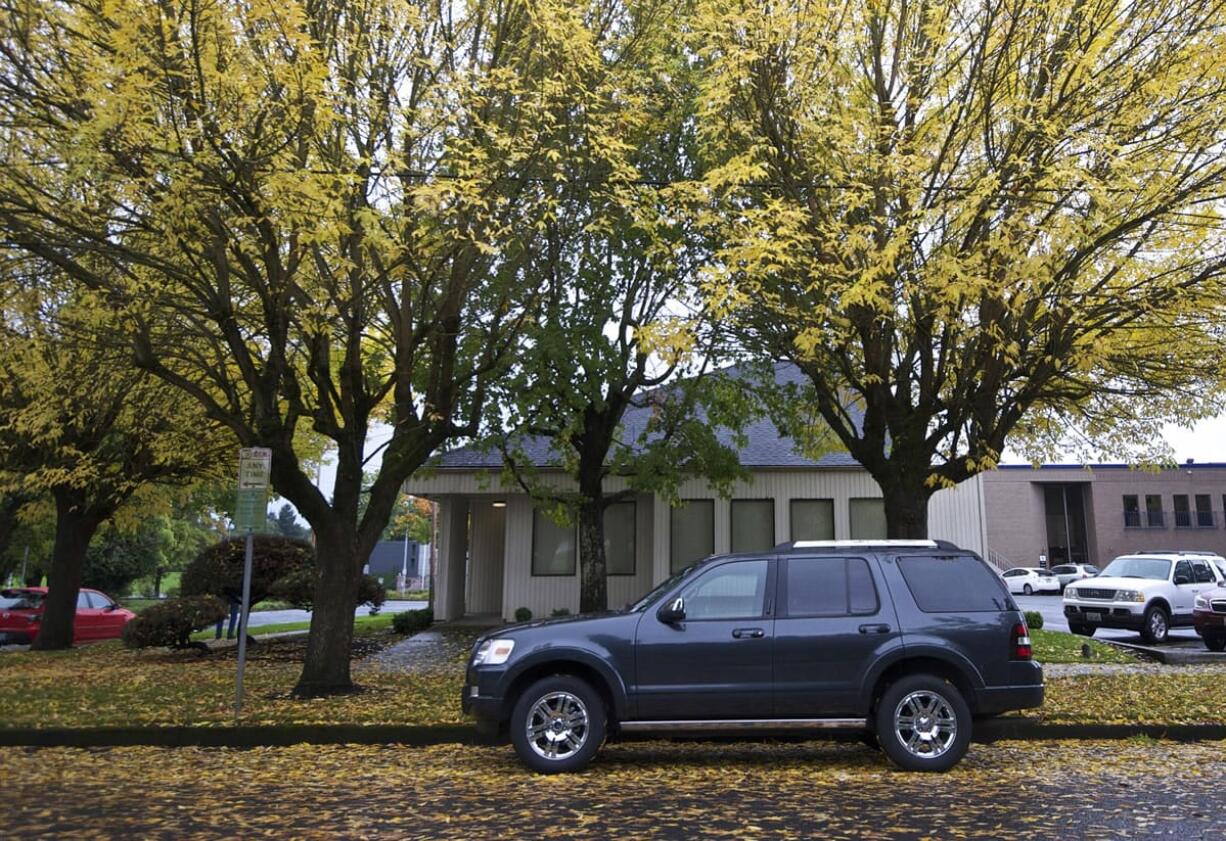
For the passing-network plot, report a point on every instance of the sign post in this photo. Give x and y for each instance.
(250, 516)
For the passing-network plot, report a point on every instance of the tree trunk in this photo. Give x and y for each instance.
(75, 525)
(593, 584)
(906, 507)
(325, 670)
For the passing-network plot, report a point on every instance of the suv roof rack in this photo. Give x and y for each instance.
(844, 544)
(1176, 552)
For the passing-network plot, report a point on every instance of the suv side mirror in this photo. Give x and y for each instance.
(1182, 579)
(673, 612)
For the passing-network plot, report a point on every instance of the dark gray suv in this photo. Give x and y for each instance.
(907, 641)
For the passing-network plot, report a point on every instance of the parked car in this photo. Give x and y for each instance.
(1027, 580)
(907, 641)
(1150, 592)
(1066, 574)
(1209, 617)
(98, 617)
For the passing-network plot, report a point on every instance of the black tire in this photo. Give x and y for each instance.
(1027, 590)
(1155, 625)
(1215, 642)
(594, 727)
(1082, 630)
(895, 701)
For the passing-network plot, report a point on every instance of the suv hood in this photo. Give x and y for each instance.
(1103, 582)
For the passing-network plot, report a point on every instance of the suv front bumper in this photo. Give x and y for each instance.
(1128, 616)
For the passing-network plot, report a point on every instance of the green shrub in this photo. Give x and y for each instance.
(1034, 620)
(298, 589)
(218, 570)
(522, 614)
(412, 621)
(172, 622)
(561, 611)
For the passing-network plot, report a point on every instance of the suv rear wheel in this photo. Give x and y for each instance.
(558, 724)
(923, 723)
(1155, 625)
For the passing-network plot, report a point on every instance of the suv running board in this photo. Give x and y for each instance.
(746, 724)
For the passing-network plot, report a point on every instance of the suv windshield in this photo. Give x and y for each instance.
(658, 593)
(21, 600)
(1153, 568)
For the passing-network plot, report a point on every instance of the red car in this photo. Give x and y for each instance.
(98, 616)
(1209, 618)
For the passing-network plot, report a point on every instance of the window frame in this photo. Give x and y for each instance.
(1186, 513)
(781, 594)
(770, 500)
(685, 503)
(792, 516)
(768, 598)
(634, 539)
(574, 561)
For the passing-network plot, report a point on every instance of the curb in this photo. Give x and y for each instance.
(243, 736)
(254, 736)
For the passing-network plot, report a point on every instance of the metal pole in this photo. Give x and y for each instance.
(24, 560)
(242, 625)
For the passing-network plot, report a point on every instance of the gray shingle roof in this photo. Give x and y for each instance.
(765, 446)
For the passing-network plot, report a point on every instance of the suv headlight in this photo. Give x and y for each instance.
(1071, 593)
(1130, 596)
(1200, 603)
(493, 652)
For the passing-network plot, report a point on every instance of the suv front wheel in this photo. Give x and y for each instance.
(1155, 624)
(558, 724)
(923, 723)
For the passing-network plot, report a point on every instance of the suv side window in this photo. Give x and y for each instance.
(829, 587)
(735, 590)
(952, 583)
(1201, 573)
(1182, 568)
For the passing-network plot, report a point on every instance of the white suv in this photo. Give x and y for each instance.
(1150, 592)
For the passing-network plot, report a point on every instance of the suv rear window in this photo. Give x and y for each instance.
(952, 583)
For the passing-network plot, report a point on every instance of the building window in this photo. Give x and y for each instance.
(619, 540)
(691, 533)
(1153, 512)
(812, 519)
(1204, 511)
(1183, 515)
(867, 519)
(753, 525)
(553, 546)
(1132, 511)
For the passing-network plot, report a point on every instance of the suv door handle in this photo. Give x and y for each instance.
(748, 633)
(875, 629)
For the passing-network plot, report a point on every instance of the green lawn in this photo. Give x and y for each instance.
(1059, 647)
(408, 595)
(361, 624)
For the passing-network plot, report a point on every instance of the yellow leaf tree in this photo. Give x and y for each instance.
(81, 425)
(312, 214)
(969, 223)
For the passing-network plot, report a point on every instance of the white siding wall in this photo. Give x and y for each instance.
(955, 515)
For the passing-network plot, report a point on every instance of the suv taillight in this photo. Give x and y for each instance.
(1021, 642)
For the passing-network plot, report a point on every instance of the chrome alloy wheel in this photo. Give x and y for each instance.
(557, 726)
(1157, 625)
(925, 724)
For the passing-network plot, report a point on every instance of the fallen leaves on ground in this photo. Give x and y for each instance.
(1059, 647)
(108, 686)
(683, 790)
